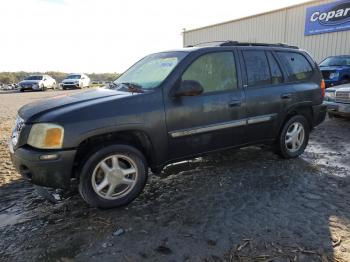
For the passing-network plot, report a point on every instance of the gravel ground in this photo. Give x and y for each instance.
(241, 205)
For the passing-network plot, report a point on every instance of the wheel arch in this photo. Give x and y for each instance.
(346, 77)
(136, 138)
(304, 110)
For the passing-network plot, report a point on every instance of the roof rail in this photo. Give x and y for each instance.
(236, 43)
(210, 43)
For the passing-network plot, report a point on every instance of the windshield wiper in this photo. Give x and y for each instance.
(129, 86)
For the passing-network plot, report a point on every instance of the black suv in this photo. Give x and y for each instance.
(168, 107)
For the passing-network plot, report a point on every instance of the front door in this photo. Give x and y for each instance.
(212, 120)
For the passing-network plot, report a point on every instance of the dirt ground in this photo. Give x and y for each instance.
(241, 205)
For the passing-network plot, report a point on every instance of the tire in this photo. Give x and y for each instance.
(298, 141)
(331, 115)
(21, 90)
(93, 175)
(42, 88)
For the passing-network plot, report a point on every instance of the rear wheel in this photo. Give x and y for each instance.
(113, 176)
(294, 137)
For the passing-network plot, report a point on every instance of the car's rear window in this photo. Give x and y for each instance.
(297, 65)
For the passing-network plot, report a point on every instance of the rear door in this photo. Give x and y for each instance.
(267, 93)
(212, 120)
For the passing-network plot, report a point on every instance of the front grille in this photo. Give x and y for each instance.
(326, 74)
(342, 97)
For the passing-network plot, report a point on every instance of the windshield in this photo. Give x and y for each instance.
(73, 77)
(152, 70)
(336, 61)
(34, 78)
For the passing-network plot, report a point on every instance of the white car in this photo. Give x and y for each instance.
(37, 82)
(75, 81)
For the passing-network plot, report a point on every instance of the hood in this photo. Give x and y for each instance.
(32, 110)
(29, 82)
(333, 68)
(345, 88)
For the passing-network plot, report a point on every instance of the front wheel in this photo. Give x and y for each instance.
(294, 137)
(113, 176)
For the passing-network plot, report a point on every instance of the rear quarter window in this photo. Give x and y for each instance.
(297, 65)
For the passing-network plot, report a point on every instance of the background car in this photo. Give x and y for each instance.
(336, 70)
(337, 100)
(37, 82)
(97, 84)
(75, 81)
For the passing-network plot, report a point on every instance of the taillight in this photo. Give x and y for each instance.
(323, 87)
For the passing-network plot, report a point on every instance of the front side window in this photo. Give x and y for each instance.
(257, 67)
(214, 71)
(152, 70)
(297, 66)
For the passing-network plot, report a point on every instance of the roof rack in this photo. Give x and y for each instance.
(236, 43)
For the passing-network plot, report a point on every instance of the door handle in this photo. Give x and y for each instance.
(234, 103)
(286, 96)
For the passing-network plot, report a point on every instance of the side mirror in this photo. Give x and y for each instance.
(189, 88)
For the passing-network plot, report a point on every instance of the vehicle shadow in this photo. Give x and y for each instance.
(241, 205)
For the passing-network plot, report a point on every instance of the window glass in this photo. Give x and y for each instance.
(258, 71)
(297, 65)
(152, 70)
(336, 61)
(214, 71)
(276, 73)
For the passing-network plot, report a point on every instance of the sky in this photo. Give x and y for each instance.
(105, 35)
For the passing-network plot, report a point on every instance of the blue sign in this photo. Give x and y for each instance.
(328, 18)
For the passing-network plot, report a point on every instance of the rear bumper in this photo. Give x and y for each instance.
(51, 173)
(338, 108)
(319, 114)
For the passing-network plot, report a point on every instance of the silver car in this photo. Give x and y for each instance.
(337, 100)
(37, 82)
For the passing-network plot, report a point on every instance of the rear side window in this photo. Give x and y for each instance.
(297, 66)
(214, 71)
(257, 67)
(276, 73)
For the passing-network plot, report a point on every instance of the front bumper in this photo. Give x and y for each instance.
(319, 114)
(338, 108)
(51, 173)
(72, 85)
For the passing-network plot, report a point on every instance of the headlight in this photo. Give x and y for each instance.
(334, 75)
(46, 136)
(330, 95)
